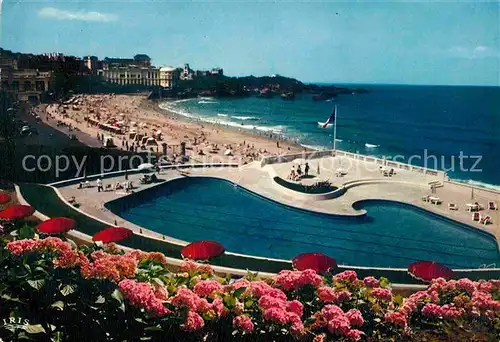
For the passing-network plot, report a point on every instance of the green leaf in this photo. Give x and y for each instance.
(384, 282)
(398, 299)
(67, 290)
(9, 298)
(249, 303)
(158, 281)
(100, 300)
(239, 292)
(117, 295)
(36, 284)
(153, 329)
(34, 329)
(59, 305)
(26, 232)
(229, 301)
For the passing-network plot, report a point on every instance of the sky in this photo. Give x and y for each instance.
(452, 43)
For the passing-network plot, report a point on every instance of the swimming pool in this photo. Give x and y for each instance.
(390, 235)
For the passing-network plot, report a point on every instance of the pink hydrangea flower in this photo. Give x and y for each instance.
(186, 297)
(319, 338)
(207, 287)
(346, 276)
(396, 318)
(193, 321)
(466, 284)
(296, 307)
(237, 284)
(485, 286)
(141, 295)
(276, 315)
(329, 295)
(330, 312)
(267, 302)
(339, 325)
(371, 282)
(20, 246)
(382, 294)
(219, 308)
(432, 310)
(292, 280)
(354, 335)
(243, 323)
(451, 312)
(355, 317)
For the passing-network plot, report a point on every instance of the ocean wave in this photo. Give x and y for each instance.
(245, 117)
(182, 100)
(371, 145)
(271, 129)
(478, 184)
(339, 140)
(223, 115)
(205, 101)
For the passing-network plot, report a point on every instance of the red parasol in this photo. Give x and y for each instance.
(112, 234)
(15, 212)
(319, 262)
(202, 250)
(428, 270)
(56, 225)
(4, 198)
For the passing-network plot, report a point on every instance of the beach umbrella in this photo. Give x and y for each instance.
(319, 262)
(428, 270)
(4, 198)
(202, 250)
(56, 225)
(145, 166)
(15, 212)
(112, 234)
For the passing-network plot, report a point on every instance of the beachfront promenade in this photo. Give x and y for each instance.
(362, 180)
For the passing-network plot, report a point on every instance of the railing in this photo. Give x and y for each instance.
(319, 154)
(290, 157)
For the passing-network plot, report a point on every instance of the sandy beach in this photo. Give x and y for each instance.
(134, 113)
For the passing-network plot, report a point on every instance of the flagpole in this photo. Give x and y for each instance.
(335, 130)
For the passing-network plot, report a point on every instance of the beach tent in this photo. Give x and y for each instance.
(151, 142)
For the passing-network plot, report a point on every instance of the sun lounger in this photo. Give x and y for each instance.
(452, 206)
(485, 220)
(476, 216)
(492, 206)
(435, 200)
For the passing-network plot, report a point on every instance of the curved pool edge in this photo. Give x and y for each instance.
(415, 207)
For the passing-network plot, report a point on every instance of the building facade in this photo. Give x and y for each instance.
(92, 63)
(147, 76)
(27, 85)
(168, 77)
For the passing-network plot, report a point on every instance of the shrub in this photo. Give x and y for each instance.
(89, 293)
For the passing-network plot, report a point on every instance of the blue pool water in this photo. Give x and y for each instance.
(391, 235)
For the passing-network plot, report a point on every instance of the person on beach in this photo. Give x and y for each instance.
(99, 185)
(299, 171)
(306, 169)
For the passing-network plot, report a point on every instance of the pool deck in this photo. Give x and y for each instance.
(362, 181)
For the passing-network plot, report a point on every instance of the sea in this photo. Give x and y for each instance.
(451, 128)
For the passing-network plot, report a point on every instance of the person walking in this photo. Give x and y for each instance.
(306, 169)
(99, 185)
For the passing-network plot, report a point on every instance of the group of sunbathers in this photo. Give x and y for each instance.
(295, 175)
